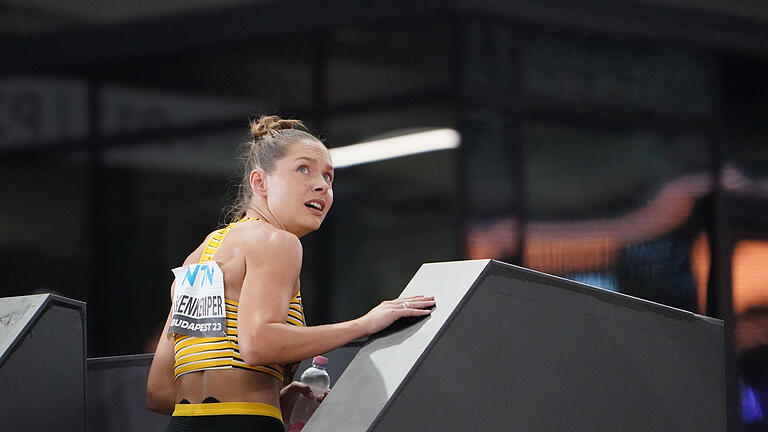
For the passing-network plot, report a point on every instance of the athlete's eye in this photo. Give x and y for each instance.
(328, 178)
(303, 169)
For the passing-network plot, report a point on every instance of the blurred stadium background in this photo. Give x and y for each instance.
(619, 143)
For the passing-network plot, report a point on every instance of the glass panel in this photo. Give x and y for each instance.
(590, 71)
(490, 56)
(745, 175)
(134, 109)
(377, 63)
(45, 234)
(204, 155)
(615, 208)
(35, 110)
(492, 170)
(573, 171)
(268, 76)
(745, 187)
(490, 181)
(490, 164)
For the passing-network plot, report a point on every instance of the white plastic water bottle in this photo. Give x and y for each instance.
(317, 378)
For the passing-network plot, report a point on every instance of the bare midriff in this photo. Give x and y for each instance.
(229, 385)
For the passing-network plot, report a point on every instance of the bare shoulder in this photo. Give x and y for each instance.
(261, 240)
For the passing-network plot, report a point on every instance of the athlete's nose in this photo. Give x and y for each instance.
(321, 185)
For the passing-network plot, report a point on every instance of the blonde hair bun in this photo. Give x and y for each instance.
(272, 125)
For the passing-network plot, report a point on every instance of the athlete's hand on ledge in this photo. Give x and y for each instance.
(383, 315)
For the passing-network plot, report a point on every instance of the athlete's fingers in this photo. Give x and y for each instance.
(322, 396)
(409, 300)
(416, 297)
(415, 312)
(420, 304)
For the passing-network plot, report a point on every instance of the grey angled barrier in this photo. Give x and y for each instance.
(42, 363)
(512, 349)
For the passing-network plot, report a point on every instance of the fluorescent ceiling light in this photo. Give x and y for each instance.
(389, 148)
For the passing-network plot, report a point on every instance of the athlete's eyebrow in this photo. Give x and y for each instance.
(313, 160)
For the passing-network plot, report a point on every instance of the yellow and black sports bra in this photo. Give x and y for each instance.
(193, 354)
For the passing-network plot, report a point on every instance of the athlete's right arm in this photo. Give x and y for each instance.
(161, 384)
(272, 270)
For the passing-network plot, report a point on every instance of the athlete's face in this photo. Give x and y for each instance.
(299, 189)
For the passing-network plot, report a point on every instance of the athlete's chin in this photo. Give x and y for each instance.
(316, 225)
(309, 227)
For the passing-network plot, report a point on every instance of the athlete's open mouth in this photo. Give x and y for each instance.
(315, 204)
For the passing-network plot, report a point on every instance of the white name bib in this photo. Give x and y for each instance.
(198, 303)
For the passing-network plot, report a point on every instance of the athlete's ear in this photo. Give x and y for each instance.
(258, 182)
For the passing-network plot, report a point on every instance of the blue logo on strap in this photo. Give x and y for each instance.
(209, 270)
(191, 275)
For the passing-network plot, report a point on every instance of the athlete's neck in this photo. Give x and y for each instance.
(256, 210)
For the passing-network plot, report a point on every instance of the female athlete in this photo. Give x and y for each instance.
(236, 328)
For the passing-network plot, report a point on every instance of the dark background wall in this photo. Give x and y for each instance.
(618, 143)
